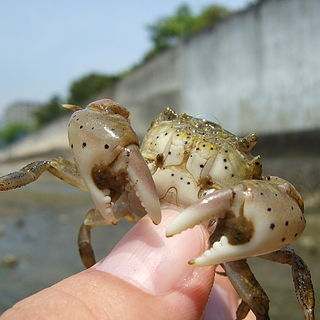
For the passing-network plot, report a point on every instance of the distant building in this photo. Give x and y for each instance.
(21, 112)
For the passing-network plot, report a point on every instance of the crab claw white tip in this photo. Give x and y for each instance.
(213, 206)
(141, 179)
(222, 251)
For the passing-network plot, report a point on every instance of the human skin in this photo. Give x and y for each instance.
(146, 276)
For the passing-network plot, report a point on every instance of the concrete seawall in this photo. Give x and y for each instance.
(257, 71)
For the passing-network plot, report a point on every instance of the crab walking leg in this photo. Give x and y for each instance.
(301, 278)
(252, 295)
(93, 219)
(61, 168)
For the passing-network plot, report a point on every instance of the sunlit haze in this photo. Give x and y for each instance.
(45, 45)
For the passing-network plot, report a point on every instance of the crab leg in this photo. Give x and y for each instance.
(93, 219)
(252, 295)
(301, 278)
(253, 218)
(61, 168)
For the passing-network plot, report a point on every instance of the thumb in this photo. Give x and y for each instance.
(146, 276)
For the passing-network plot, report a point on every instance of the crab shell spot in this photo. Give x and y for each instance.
(218, 170)
(176, 156)
(195, 165)
(186, 190)
(271, 232)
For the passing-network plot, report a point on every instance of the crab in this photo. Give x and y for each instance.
(193, 164)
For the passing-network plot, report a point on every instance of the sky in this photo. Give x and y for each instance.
(46, 44)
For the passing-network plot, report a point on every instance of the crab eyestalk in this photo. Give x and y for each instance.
(71, 107)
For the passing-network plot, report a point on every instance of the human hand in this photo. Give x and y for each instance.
(146, 276)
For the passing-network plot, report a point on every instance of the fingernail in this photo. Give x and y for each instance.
(152, 262)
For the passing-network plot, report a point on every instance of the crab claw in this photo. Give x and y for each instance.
(201, 211)
(253, 218)
(142, 182)
(106, 152)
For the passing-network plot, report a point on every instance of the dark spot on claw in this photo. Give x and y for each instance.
(287, 222)
(71, 145)
(269, 209)
(81, 127)
(201, 165)
(283, 239)
(84, 145)
(272, 225)
(106, 146)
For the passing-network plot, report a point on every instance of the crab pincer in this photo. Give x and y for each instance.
(253, 218)
(106, 152)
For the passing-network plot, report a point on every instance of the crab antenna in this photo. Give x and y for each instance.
(71, 107)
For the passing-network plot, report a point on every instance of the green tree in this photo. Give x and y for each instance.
(209, 17)
(86, 88)
(49, 111)
(167, 31)
(13, 132)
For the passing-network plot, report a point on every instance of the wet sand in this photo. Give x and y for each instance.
(39, 225)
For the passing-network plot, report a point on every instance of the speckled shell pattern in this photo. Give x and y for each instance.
(188, 157)
(199, 166)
